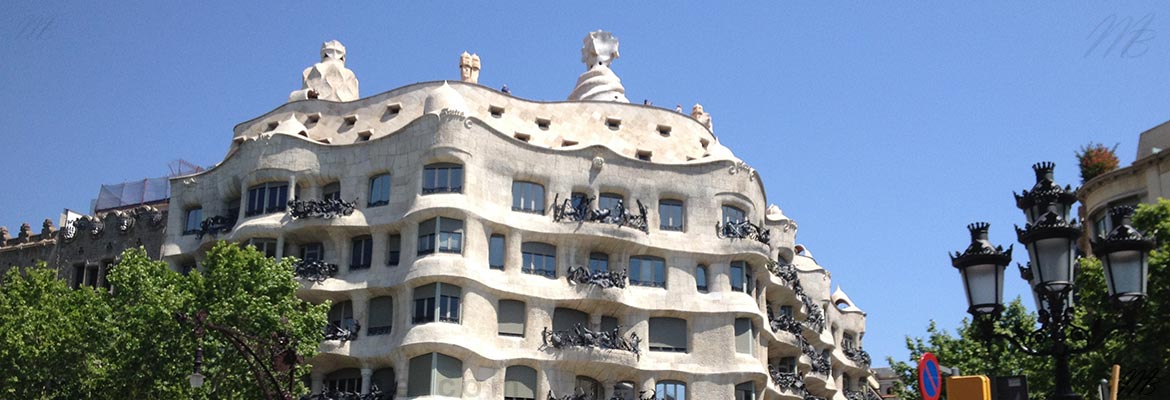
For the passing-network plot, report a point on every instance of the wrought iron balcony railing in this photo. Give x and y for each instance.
(570, 211)
(857, 355)
(607, 279)
(743, 230)
(316, 271)
(785, 323)
(327, 208)
(787, 380)
(375, 394)
(215, 225)
(337, 332)
(585, 337)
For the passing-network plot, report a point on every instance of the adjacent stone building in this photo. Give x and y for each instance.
(1144, 181)
(477, 245)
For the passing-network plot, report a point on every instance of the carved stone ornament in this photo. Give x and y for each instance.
(599, 83)
(46, 229)
(92, 224)
(743, 166)
(25, 234)
(328, 79)
(598, 163)
(125, 220)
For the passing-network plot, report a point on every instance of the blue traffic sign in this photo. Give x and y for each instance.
(929, 377)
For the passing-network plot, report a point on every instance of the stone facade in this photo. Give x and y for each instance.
(480, 246)
(84, 249)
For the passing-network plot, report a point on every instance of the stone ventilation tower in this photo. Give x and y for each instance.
(328, 79)
(476, 245)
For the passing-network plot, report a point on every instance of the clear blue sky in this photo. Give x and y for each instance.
(882, 128)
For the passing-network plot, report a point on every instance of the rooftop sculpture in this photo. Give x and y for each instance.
(328, 79)
(469, 67)
(599, 83)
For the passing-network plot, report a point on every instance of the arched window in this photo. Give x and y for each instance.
(194, 221)
(567, 319)
(267, 198)
(745, 391)
(648, 271)
(519, 383)
(341, 315)
(362, 252)
(670, 390)
(598, 262)
(381, 315)
(439, 300)
(331, 191)
(539, 259)
(435, 374)
(733, 214)
(588, 386)
(385, 380)
(442, 234)
(379, 190)
(624, 390)
(701, 278)
(528, 197)
(313, 251)
(670, 215)
(442, 178)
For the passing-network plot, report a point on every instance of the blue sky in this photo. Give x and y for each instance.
(883, 129)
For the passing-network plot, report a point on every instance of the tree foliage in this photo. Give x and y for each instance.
(57, 342)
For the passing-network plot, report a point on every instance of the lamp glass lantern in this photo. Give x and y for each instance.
(1052, 258)
(1124, 254)
(196, 379)
(981, 267)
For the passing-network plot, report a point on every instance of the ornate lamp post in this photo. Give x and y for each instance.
(1050, 238)
(269, 357)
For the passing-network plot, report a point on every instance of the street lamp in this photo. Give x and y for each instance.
(272, 358)
(1050, 238)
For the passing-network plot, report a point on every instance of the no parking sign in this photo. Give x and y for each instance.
(929, 377)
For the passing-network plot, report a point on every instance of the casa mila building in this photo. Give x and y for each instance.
(476, 245)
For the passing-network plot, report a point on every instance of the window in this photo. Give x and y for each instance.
(347, 380)
(266, 246)
(745, 391)
(394, 250)
(341, 315)
(447, 239)
(496, 252)
(743, 335)
(539, 259)
(670, 390)
(78, 276)
(847, 341)
(313, 252)
(701, 278)
(598, 262)
(435, 374)
(670, 214)
(446, 308)
(610, 201)
(741, 277)
(528, 197)
(267, 198)
(588, 386)
(331, 191)
(233, 210)
(648, 271)
(624, 391)
(567, 319)
(194, 220)
(577, 199)
(442, 178)
(787, 365)
(385, 380)
(511, 317)
(379, 190)
(733, 214)
(519, 383)
(608, 323)
(363, 250)
(786, 310)
(847, 381)
(668, 334)
(381, 316)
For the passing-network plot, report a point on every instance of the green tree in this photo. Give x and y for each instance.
(57, 342)
(973, 356)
